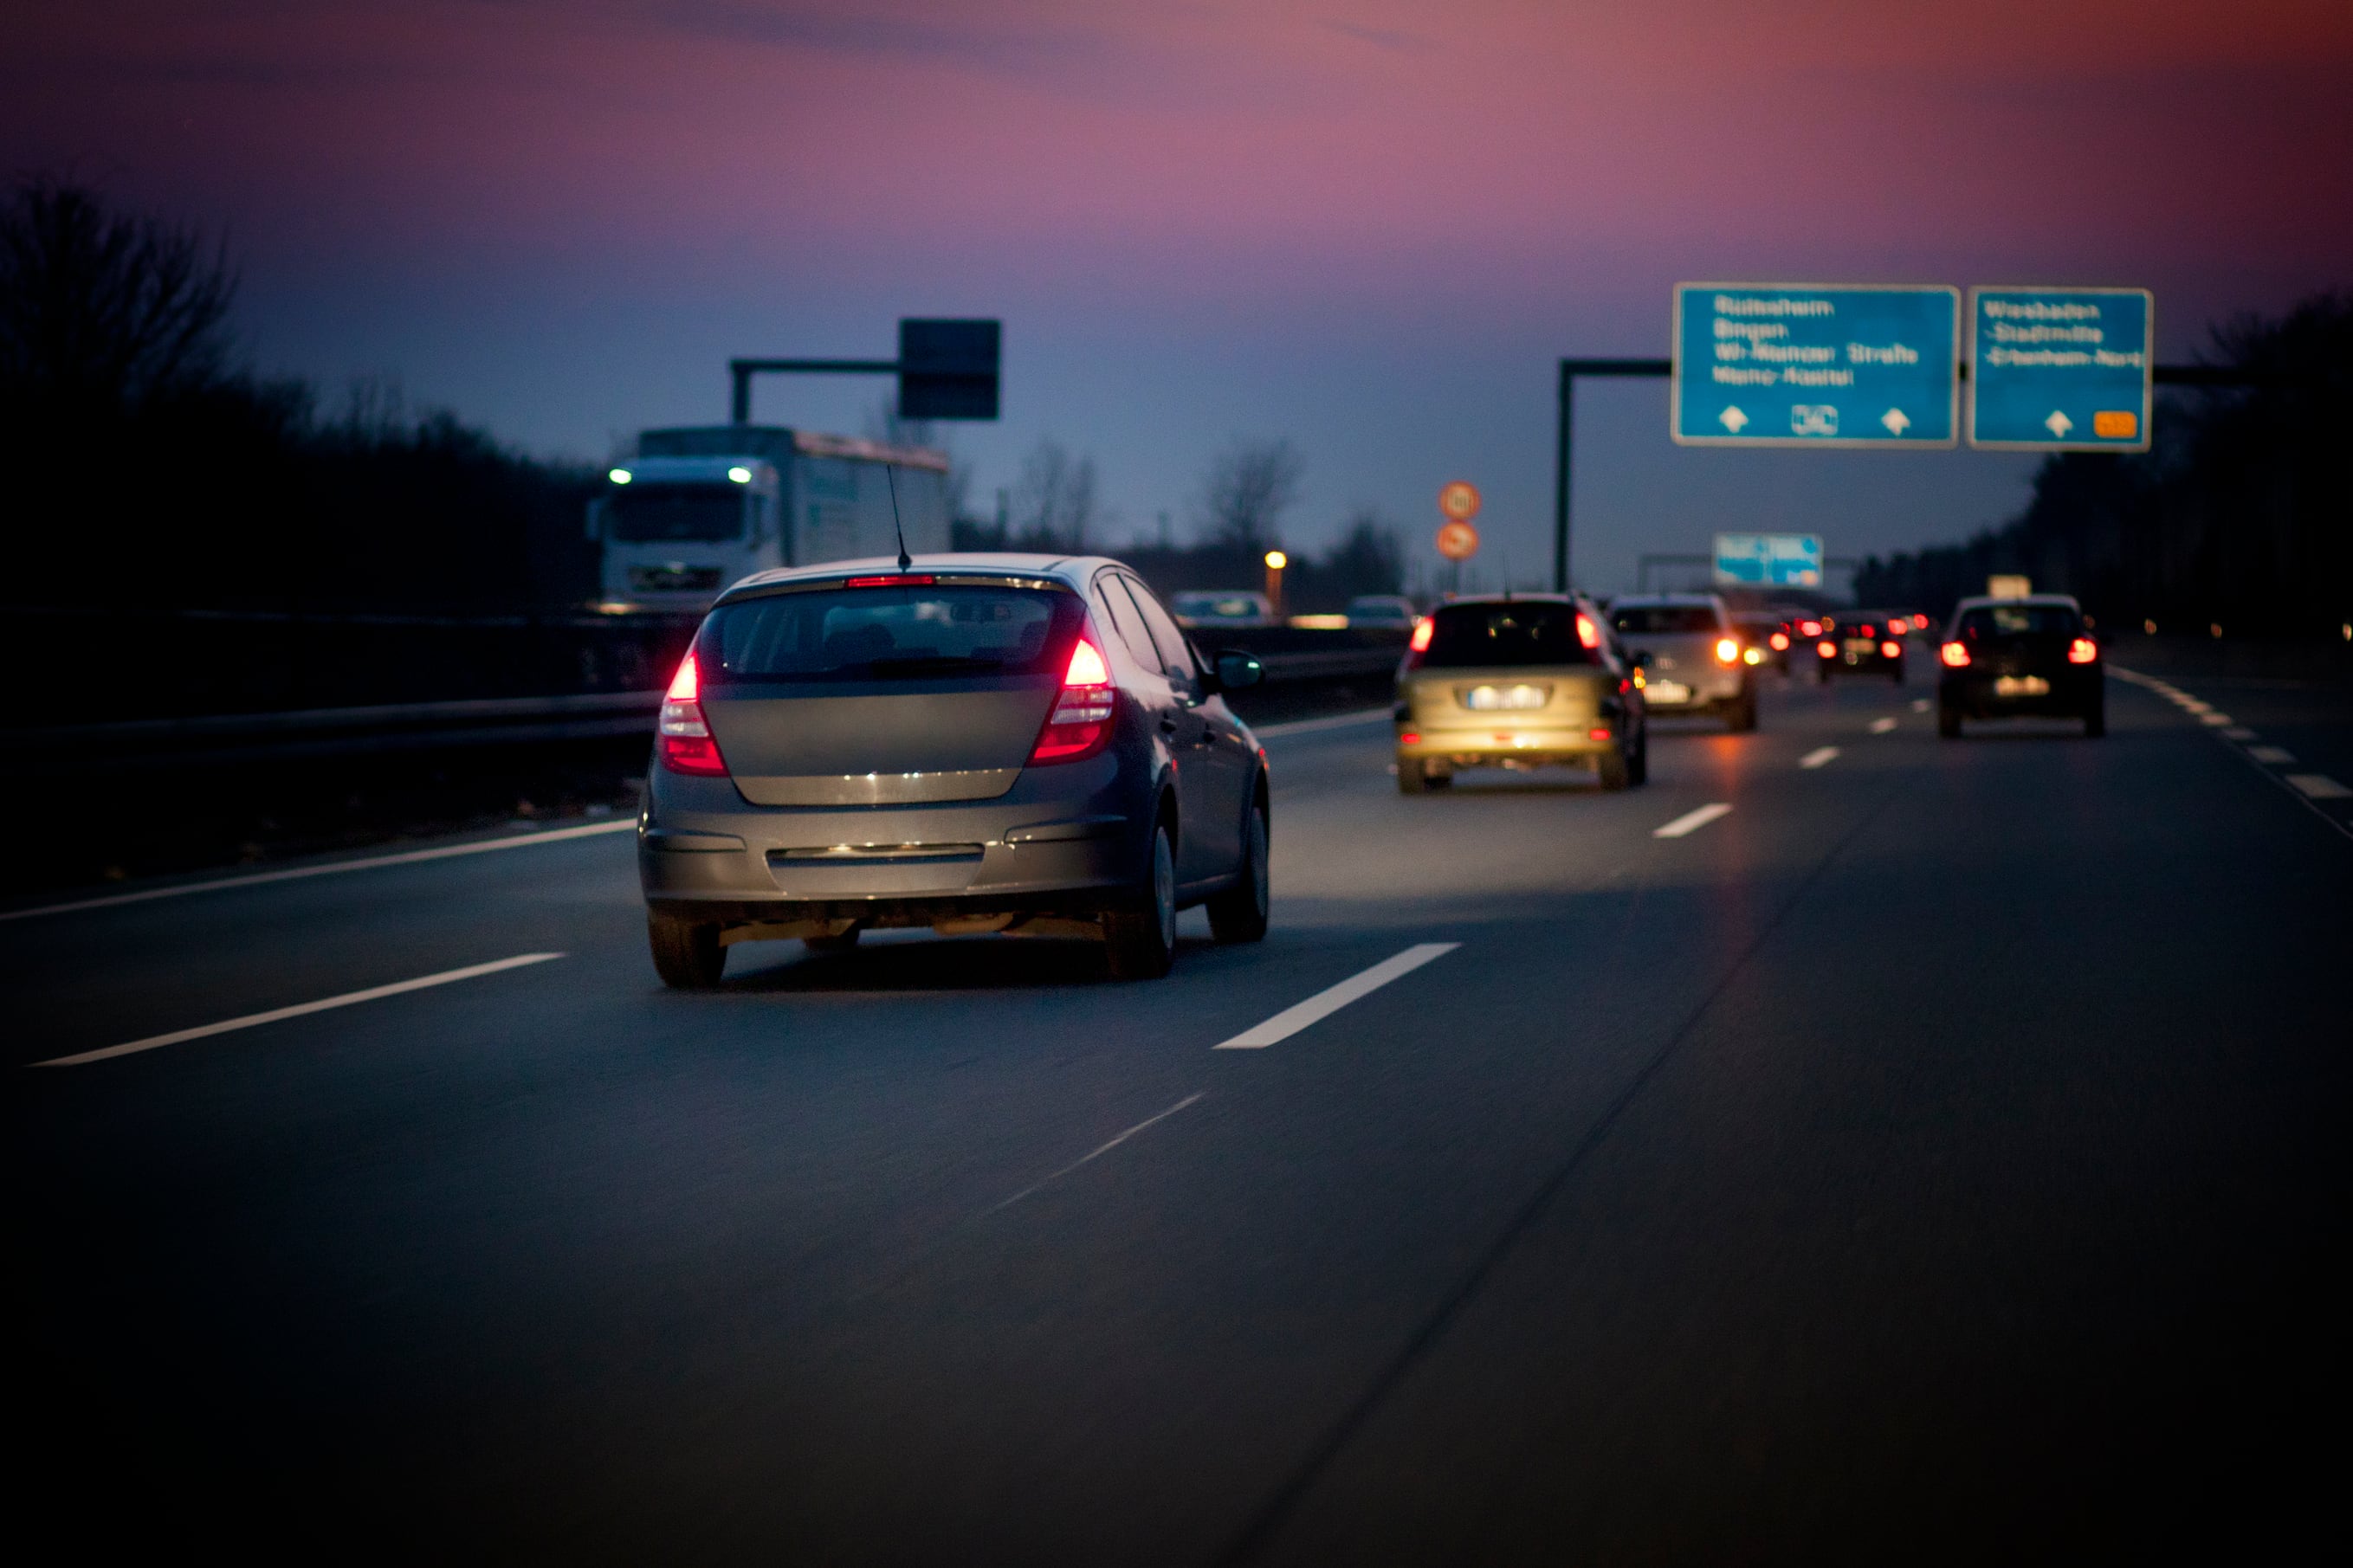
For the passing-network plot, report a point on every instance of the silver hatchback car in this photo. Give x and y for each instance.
(1692, 659)
(1016, 744)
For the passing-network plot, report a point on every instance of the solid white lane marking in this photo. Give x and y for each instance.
(2217, 720)
(2319, 787)
(1919, 705)
(1308, 726)
(299, 1010)
(1095, 1153)
(1324, 1004)
(2276, 755)
(1692, 821)
(1818, 756)
(296, 874)
(1881, 726)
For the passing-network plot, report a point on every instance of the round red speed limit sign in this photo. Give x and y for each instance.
(1458, 541)
(1459, 500)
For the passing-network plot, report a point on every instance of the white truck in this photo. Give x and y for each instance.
(699, 507)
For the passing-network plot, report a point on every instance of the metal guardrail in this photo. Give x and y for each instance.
(235, 737)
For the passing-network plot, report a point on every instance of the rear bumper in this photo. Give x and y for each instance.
(2072, 691)
(1711, 688)
(1493, 743)
(1059, 836)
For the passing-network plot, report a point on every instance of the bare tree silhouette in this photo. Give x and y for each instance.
(1249, 487)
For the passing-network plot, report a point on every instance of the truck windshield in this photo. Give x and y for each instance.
(645, 513)
(888, 634)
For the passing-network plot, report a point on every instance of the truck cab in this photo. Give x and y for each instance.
(677, 530)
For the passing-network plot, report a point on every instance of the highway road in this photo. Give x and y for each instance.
(1939, 1152)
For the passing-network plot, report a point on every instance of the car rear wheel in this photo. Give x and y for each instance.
(1411, 779)
(1822, 672)
(1614, 771)
(1948, 721)
(1741, 717)
(1638, 766)
(687, 954)
(1142, 942)
(2095, 719)
(1240, 913)
(1897, 673)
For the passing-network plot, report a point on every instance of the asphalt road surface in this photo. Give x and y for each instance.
(1940, 1153)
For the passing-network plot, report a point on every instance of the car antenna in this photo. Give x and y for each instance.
(897, 527)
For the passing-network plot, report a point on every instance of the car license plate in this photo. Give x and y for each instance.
(2020, 686)
(1862, 645)
(1668, 691)
(1491, 698)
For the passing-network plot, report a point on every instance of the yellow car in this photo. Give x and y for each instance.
(1519, 680)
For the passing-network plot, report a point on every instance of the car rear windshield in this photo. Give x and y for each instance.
(2021, 620)
(1664, 620)
(883, 634)
(650, 513)
(1478, 635)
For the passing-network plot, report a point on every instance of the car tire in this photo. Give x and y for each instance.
(2096, 720)
(1948, 721)
(687, 954)
(1741, 717)
(1898, 672)
(1822, 673)
(1240, 913)
(841, 943)
(1638, 766)
(1614, 771)
(1142, 942)
(1411, 779)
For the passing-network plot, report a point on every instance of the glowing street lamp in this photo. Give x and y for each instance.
(1275, 562)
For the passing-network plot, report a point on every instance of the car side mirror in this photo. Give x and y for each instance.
(1236, 669)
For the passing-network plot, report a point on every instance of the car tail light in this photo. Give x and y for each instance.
(1080, 725)
(1812, 628)
(2082, 650)
(1826, 649)
(1919, 622)
(1410, 738)
(1780, 642)
(1586, 631)
(1954, 656)
(1422, 629)
(1598, 733)
(894, 580)
(686, 744)
(1866, 630)
(1752, 655)
(1728, 651)
(1891, 650)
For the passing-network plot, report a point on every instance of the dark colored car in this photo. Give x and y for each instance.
(2005, 657)
(1767, 632)
(1862, 642)
(1020, 744)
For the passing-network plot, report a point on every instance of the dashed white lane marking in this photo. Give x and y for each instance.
(1692, 821)
(252, 1019)
(1920, 705)
(2237, 733)
(1095, 1153)
(1308, 726)
(2277, 756)
(1881, 726)
(1818, 756)
(1324, 1004)
(2319, 787)
(297, 873)
(2217, 720)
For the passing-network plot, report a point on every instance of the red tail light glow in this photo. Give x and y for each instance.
(2082, 650)
(1422, 629)
(686, 746)
(1919, 622)
(1586, 634)
(1728, 651)
(1081, 724)
(1866, 630)
(1598, 733)
(1826, 649)
(1410, 738)
(1812, 628)
(1955, 655)
(895, 580)
(1780, 642)
(1891, 650)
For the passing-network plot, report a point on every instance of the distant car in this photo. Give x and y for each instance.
(1382, 610)
(974, 743)
(1691, 656)
(1231, 610)
(2030, 655)
(1535, 679)
(1860, 642)
(1767, 634)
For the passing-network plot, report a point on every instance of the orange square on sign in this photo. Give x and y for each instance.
(2116, 423)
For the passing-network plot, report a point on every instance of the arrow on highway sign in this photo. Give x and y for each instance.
(1895, 421)
(1733, 419)
(2059, 424)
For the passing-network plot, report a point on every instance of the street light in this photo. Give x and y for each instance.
(1275, 562)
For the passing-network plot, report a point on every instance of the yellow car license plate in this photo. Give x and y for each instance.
(2020, 686)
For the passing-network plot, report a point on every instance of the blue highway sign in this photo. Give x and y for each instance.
(1770, 560)
(1782, 364)
(2060, 369)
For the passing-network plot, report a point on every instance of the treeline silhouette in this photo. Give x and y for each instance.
(2240, 515)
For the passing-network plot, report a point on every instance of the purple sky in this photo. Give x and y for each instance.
(1368, 227)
